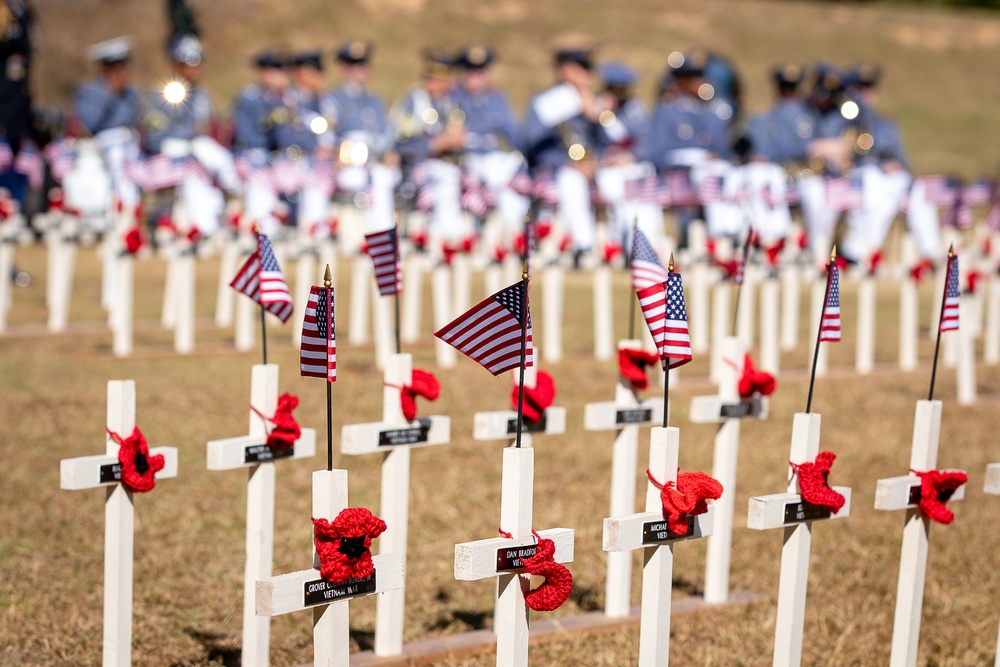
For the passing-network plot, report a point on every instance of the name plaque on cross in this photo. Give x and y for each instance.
(261, 453)
(538, 426)
(804, 511)
(749, 407)
(634, 417)
(657, 532)
(321, 591)
(406, 436)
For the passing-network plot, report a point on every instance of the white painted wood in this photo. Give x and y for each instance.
(992, 483)
(893, 493)
(461, 274)
(604, 330)
(231, 453)
(625, 533)
(909, 298)
(991, 332)
(412, 305)
(305, 273)
(84, 472)
(698, 311)
(818, 304)
(168, 310)
(965, 371)
(478, 560)
(790, 300)
(748, 305)
(721, 320)
(446, 355)
(6, 271)
(383, 326)
(494, 425)
(361, 284)
(864, 351)
(770, 349)
(708, 409)
(364, 438)
(611, 415)
(185, 302)
(247, 314)
(768, 512)
(553, 286)
(229, 257)
(122, 337)
(62, 256)
(511, 620)
(492, 279)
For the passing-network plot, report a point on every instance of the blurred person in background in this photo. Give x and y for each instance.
(16, 25)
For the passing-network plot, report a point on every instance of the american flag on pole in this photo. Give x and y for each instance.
(490, 333)
(949, 314)
(646, 267)
(383, 248)
(318, 352)
(829, 329)
(666, 316)
(261, 280)
(843, 193)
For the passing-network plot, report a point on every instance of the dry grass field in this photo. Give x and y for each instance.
(189, 531)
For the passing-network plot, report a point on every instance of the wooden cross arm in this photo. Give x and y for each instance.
(498, 425)
(479, 560)
(992, 483)
(715, 410)
(286, 593)
(779, 510)
(381, 436)
(648, 529)
(609, 415)
(900, 493)
(246, 451)
(90, 472)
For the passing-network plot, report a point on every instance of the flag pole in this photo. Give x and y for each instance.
(742, 272)
(819, 329)
(328, 285)
(524, 353)
(395, 294)
(666, 368)
(937, 345)
(263, 322)
(631, 293)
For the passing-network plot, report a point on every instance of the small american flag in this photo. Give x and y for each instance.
(383, 248)
(829, 329)
(261, 280)
(666, 316)
(843, 193)
(490, 333)
(646, 267)
(949, 314)
(710, 190)
(318, 352)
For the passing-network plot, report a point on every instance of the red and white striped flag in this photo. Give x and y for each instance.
(646, 267)
(843, 193)
(829, 330)
(666, 316)
(383, 248)
(952, 297)
(318, 351)
(490, 333)
(261, 280)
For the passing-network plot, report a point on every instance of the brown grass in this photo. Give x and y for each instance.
(189, 531)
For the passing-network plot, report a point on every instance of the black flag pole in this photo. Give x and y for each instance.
(666, 362)
(263, 321)
(524, 352)
(819, 329)
(395, 295)
(632, 298)
(328, 285)
(743, 276)
(944, 296)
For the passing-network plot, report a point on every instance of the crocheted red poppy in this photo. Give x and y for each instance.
(813, 484)
(774, 252)
(344, 545)
(874, 261)
(558, 584)
(611, 250)
(632, 363)
(754, 381)
(423, 384)
(138, 467)
(286, 430)
(685, 498)
(536, 399)
(918, 271)
(936, 489)
(134, 241)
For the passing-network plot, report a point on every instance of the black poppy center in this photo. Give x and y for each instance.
(352, 547)
(944, 495)
(141, 463)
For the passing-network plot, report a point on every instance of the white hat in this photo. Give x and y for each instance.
(111, 51)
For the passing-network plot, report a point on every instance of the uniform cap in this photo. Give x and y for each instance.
(475, 57)
(616, 74)
(691, 64)
(867, 75)
(437, 62)
(186, 49)
(829, 78)
(270, 59)
(312, 59)
(580, 56)
(354, 52)
(112, 51)
(789, 75)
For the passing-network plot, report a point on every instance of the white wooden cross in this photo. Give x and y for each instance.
(864, 355)
(791, 512)
(500, 557)
(306, 589)
(251, 451)
(992, 487)
(89, 472)
(625, 414)
(553, 288)
(61, 239)
(897, 493)
(726, 409)
(502, 424)
(648, 531)
(394, 436)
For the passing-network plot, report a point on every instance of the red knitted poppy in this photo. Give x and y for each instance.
(344, 544)
(685, 498)
(286, 430)
(536, 399)
(138, 467)
(918, 271)
(874, 261)
(754, 381)
(423, 384)
(134, 241)
(936, 489)
(813, 484)
(632, 363)
(558, 584)
(611, 250)
(774, 252)
(972, 281)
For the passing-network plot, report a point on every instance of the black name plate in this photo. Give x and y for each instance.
(405, 436)
(321, 591)
(750, 407)
(915, 494)
(261, 453)
(656, 532)
(634, 416)
(803, 511)
(509, 558)
(112, 472)
(529, 427)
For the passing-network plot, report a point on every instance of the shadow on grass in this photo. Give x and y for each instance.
(217, 651)
(682, 585)
(365, 639)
